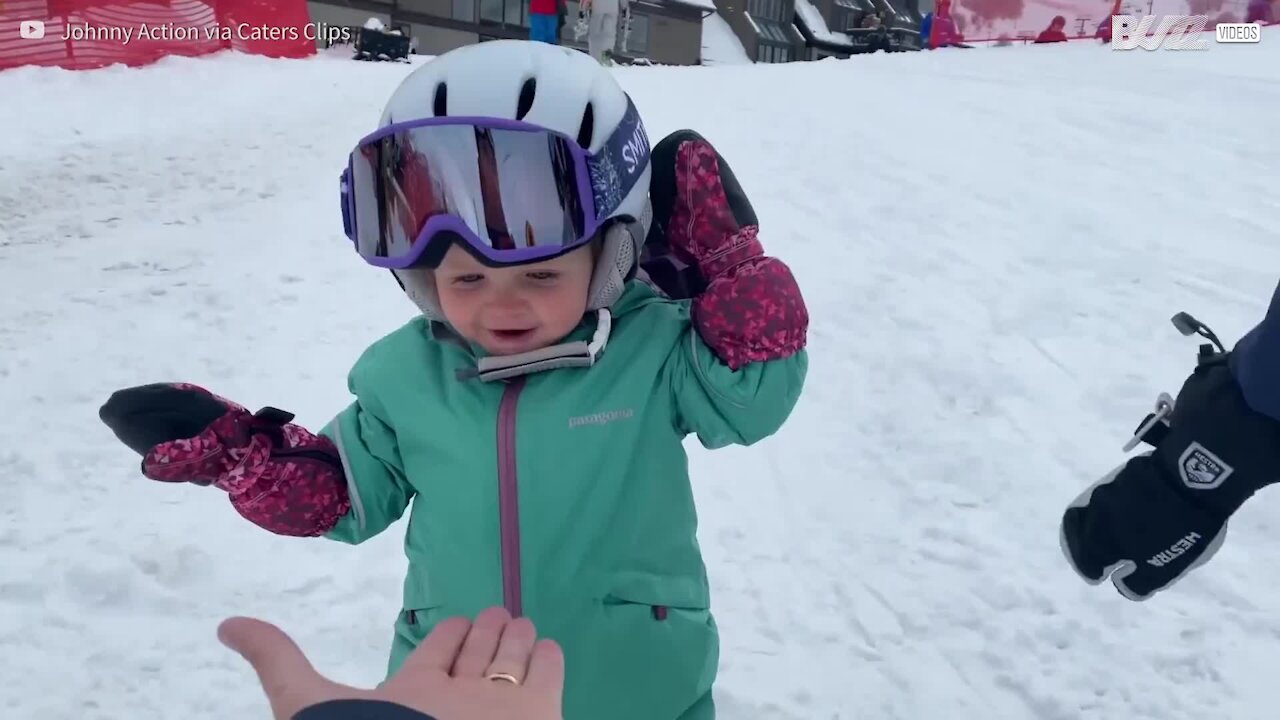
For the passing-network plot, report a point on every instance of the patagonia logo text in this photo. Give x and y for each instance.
(601, 418)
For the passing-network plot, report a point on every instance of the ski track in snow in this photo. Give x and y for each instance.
(991, 244)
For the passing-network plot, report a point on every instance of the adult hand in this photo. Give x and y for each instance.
(445, 677)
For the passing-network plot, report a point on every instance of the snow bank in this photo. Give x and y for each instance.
(720, 45)
(813, 20)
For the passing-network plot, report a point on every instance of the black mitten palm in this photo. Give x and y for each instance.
(148, 415)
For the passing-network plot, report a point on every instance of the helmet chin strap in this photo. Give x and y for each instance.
(571, 354)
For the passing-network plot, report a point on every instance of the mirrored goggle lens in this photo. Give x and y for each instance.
(506, 189)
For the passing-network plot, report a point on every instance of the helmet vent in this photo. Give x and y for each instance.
(440, 103)
(587, 129)
(527, 92)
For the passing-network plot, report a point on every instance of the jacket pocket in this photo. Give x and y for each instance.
(660, 593)
(420, 612)
(413, 623)
(655, 653)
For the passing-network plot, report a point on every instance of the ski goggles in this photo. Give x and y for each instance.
(514, 191)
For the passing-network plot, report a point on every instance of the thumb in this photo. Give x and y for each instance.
(285, 673)
(1134, 583)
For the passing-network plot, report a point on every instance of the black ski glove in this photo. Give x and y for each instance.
(148, 415)
(1162, 514)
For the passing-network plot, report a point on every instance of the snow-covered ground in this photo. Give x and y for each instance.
(991, 244)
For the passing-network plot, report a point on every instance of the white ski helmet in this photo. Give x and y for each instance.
(551, 86)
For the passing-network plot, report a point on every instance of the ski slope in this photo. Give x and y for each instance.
(991, 243)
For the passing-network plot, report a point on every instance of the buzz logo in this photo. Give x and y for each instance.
(1201, 469)
(1175, 32)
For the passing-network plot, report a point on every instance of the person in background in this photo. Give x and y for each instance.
(1164, 513)
(544, 22)
(602, 28)
(943, 31)
(562, 16)
(1259, 11)
(1054, 33)
(447, 677)
(1103, 33)
(878, 26)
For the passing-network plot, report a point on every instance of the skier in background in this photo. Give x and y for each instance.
(562, 16)
(942, 31)
(1105, 27)
(602, 28)
(1259, 11)
(1055, 32)
(1162, 514)
(544, 21)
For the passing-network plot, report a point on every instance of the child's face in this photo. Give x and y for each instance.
(514, 309)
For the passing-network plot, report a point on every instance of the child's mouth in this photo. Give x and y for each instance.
(510, 334)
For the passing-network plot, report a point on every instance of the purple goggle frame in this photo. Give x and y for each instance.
(603, 180)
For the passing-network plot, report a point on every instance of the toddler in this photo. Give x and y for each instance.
(531, 418)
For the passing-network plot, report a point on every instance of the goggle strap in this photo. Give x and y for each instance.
(344, 186)
(614, 172)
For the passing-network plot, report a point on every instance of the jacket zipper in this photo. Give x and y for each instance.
(509, 498)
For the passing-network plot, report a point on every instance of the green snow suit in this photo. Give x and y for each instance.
(563, 495)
